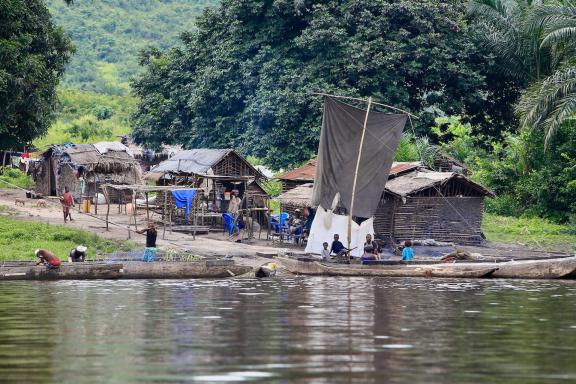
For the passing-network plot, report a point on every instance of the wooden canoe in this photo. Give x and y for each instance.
(433, 270)
(67, 271)
(559, 268)
(180, 270)
(125, 270)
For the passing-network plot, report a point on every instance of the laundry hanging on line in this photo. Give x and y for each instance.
(183, 198)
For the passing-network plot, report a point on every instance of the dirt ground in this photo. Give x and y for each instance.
(213, 244)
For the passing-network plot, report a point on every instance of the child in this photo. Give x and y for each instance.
(325, 252)
(407, 252)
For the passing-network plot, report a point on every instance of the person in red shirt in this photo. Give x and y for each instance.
(47, 258)
(67, 202)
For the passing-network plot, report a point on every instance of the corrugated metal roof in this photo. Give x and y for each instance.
(308, 171)
(304, 173)
(192, 161)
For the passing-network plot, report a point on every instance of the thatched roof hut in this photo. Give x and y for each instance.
(67, 165)
(418, 204)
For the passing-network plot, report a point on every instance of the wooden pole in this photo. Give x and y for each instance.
(96, 193)
(356, 175)
(108, 205)
(134, 210)
(164, 213)
(147, 207)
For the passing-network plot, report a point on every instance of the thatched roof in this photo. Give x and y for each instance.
(401, 186)
(417, 181)
(112, 160)
(300, 196)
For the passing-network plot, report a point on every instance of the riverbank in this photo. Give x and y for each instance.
(534, 233)
(19, 238)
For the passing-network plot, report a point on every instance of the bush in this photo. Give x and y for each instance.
(15, 177)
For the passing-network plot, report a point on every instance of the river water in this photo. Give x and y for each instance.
(300, 330)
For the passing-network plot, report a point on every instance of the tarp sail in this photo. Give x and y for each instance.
(342, 126)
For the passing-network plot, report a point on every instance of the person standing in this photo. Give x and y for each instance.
(234, 204)
(67, 201)
(151, 235)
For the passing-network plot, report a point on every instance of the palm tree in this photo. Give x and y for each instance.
(505, 27)
(551, 102)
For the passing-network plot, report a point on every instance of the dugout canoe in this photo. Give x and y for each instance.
(67, 271)
(124, 270)
(306, 267)
(559, 268)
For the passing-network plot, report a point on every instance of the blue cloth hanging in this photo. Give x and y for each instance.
(184, 198)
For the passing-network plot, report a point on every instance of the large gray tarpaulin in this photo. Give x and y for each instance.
(338, 152)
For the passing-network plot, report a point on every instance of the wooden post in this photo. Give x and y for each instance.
(96, 193)
(134, 210)
(147, 208)
(195, 214)
(351, 212)
(164, 214)
(108, 204)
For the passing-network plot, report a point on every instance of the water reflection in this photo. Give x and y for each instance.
(319, 330)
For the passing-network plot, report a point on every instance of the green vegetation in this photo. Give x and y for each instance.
(33, 53)
(15, 178)
(533, 232)
(244, 78)
(19, 239)
(87, 117)
(109, 34)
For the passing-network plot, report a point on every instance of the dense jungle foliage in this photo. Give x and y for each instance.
(108, 35)
(33, 53)
(492, 80)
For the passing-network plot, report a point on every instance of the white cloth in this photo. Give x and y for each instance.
(326, 224)
(105, 146)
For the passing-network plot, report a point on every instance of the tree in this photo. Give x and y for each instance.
(535, 43)
(551, 102)
(245, 77)
(33, 54)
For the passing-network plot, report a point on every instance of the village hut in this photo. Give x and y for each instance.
(417, 203)
(216, 171)
(71, 165)
(298, 176)
(149, 158)
(424, 204)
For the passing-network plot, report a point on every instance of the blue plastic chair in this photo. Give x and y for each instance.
(229, 223)
(278, 222)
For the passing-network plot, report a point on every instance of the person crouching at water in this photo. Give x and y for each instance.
(47, 258)
(151, 234)
(407, 252)
(78, 254)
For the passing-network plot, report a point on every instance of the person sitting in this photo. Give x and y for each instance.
(325, 252)
(407, 252)
(47, 258)
(295, 224)
(337, 247)
(151, 234)
(77, 254)
(372, 244)
(369, 254)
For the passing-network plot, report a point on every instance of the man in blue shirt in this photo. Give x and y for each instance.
(337, 246)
